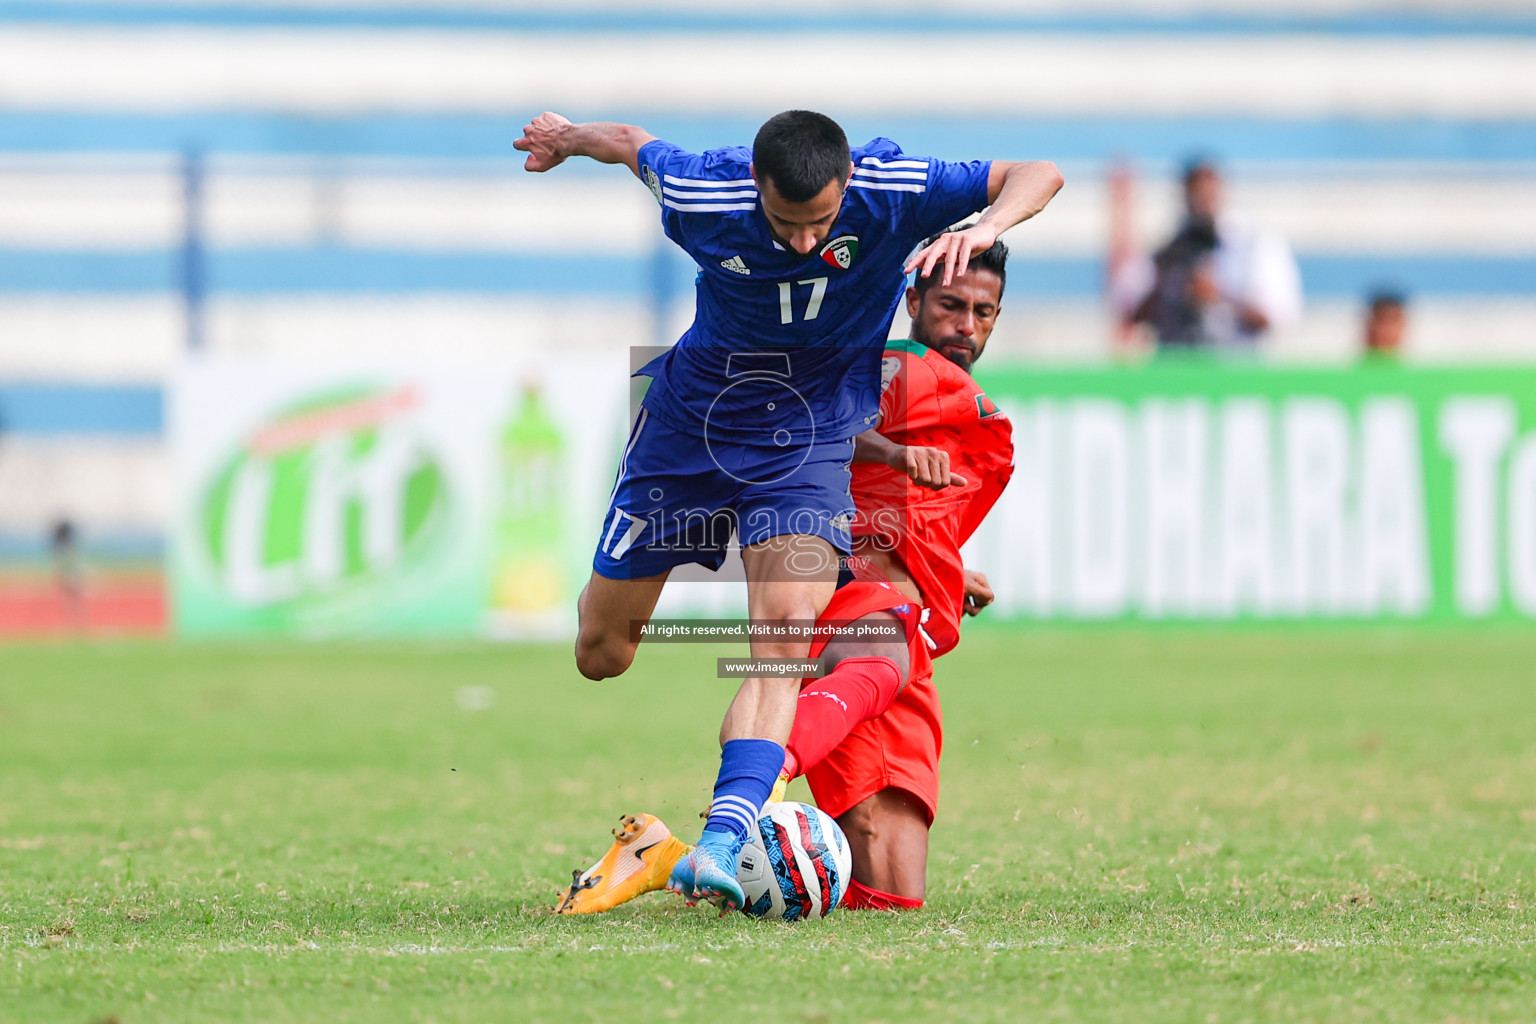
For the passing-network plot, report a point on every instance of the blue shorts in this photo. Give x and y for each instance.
(679, 498)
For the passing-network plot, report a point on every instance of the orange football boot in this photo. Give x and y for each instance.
(640, 860)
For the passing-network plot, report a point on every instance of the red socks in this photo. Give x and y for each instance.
(830, 708)
(855, 691)
(862, 897)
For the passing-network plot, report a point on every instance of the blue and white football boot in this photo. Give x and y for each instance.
(709, 873)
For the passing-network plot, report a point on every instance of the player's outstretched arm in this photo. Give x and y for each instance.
(873, 446)
(928, 467)
(550, 138)
(1017, 191)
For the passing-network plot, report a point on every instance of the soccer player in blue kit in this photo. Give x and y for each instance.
(748, 425)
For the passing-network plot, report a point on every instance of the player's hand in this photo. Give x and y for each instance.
(927, 467)
(541, 141)
(978, 592)
(954, 249)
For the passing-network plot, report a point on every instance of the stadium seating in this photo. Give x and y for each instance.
(358, 192)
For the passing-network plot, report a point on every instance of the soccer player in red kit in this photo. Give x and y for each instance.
(923, 481)
(865, 668)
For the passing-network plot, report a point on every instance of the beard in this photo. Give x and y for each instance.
(958, 349)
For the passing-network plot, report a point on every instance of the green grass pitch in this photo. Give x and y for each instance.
(1292, 825)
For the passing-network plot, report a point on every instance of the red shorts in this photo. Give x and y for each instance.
(899, 747)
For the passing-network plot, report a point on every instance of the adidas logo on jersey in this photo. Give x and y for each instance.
(735, 265)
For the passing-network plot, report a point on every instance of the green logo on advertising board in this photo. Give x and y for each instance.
(332, 496)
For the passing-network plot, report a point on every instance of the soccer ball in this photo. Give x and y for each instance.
(797, 866)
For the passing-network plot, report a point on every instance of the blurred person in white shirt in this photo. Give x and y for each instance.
(1222, 282)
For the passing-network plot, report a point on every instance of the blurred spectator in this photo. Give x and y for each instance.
(1386, 320)
(68, 573)
(1221, 282)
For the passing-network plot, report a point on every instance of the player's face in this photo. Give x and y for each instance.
(1202, 195)
(1384, 328)
(801, 226)
(957, 321)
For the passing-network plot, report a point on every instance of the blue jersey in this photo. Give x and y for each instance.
(769, 318)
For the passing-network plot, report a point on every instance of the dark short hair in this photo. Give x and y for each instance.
(1197, 164)
(994, 259)
(1384, 297)
(801, 151)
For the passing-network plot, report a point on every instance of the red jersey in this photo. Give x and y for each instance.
(929, 401)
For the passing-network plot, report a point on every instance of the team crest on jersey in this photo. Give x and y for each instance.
(651, 181)
(841, 250)
(986, 408)
(889, 367)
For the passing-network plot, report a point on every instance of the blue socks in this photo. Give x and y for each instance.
(748, 770)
